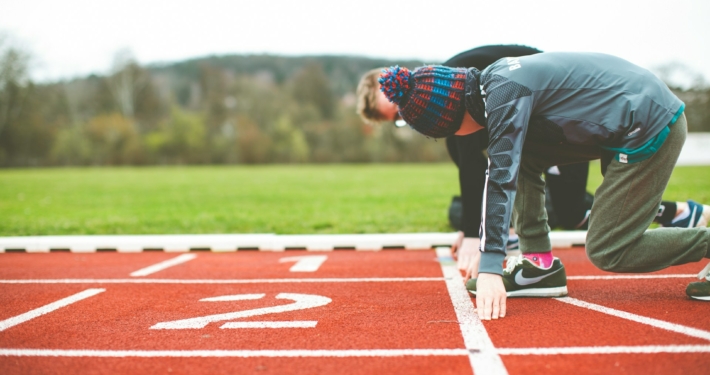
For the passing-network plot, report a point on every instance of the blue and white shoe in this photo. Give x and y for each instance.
(698, 217)
(513, 243)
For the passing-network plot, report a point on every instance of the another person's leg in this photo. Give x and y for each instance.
(569, 204)
(626, 204)
(688, 214)
(466, 151)
(530, 218)
(534, 273)
(455, 208)
(567, 185)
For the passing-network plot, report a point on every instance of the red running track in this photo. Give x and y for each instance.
(355, 313)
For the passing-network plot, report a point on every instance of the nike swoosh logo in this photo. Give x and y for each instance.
(522, 280)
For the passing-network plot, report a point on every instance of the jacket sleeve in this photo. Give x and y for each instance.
(508, 109)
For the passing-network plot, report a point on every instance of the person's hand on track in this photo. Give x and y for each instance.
(490, 296)
(469, 256)
(456, 245)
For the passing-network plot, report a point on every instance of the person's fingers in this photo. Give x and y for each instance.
(464, 260)
(467, 276)
(502, 306)
(487, 307)
(496, 307)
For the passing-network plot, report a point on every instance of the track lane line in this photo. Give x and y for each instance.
(481, 353)
(689, 331)
(303, 353)
(233, 353)
(269, 324)
(223, 281)
(19, 319)
(278, 281)
(650, 349)
(163, 265)
(627, 277)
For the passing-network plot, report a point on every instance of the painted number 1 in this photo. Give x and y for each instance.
(307, 263)
(301, 302)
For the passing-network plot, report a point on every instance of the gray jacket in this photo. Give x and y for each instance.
(573, 98)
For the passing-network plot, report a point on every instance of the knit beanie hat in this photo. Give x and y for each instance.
(430, 98)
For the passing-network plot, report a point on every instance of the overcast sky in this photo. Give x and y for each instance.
(76, 37)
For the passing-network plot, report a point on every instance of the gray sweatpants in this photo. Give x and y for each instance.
(624, 207)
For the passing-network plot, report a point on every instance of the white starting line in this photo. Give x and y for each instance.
(225, 281)
(305, 280)
(482, 353)
(689, 331)
(632, 277)
(588, 350)
(163, 265)
(11, 322)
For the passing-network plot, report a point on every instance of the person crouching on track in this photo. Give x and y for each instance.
(567, 201)
(563, 108)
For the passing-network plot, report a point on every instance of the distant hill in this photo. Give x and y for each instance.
(343, 72)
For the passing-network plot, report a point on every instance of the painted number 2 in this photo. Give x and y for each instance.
(301, 302)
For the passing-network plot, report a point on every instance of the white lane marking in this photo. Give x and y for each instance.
(349, 353)
(7, 323)
(290, 324)
(301, 302)
(622, 277)
(693, 332)
(482, 354)
(608, 350)
(233, 353)
(236, 297)
(307, 263)
(223, 281)
(163, 265)
(278, 281)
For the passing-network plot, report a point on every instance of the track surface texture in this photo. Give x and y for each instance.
(338, 312)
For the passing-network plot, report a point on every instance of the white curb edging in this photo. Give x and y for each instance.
(234, 242)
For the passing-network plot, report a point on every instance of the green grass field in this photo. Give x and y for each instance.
(284, 199)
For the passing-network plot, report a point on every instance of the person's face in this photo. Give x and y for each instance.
(387, 109)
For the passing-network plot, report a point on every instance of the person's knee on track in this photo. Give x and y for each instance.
(605, 255)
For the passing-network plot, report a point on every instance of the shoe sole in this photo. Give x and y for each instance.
(559, 291)
(705, 298)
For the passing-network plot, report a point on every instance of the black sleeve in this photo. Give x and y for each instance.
(568, 190)
(472, 179)
(481, 57)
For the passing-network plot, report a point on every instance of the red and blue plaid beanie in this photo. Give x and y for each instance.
(430, 98)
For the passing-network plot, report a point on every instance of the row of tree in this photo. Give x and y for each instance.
(243, 109)
(227, 109)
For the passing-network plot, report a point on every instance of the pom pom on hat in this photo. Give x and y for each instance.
(394, 83)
